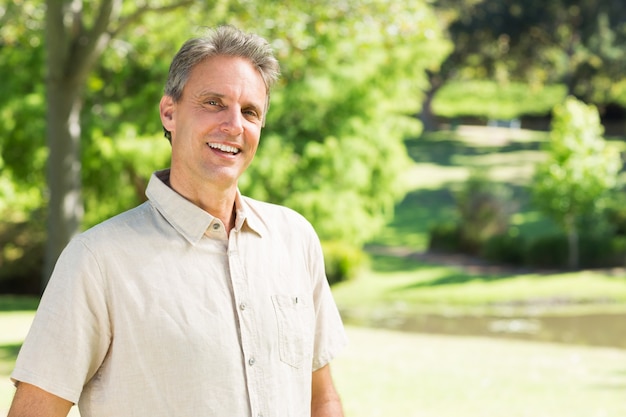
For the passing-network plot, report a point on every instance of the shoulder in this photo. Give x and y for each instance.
(122, 227)
(274, 215)
(282, 223)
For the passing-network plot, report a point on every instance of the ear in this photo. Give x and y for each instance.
(167, 108)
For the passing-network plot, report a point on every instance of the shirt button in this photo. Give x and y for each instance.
(251, 361)
(216, 226)
(242, 306)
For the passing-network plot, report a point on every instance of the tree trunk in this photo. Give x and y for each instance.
(427, 117)
(436, 80)
(65, 206)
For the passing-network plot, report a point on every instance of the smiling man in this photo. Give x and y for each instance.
(199, 302)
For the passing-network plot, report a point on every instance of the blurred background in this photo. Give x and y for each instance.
(461, 160)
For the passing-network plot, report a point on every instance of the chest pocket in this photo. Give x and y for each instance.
(295, 318)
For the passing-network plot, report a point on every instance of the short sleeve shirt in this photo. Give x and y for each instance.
(158, 312)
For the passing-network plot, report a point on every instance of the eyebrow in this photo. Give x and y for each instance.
(205, 94)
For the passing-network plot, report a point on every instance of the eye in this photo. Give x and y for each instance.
(251, 114)
(212, 103)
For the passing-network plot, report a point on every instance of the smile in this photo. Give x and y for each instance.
(224, 148)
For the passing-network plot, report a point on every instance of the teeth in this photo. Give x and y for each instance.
(224, 148)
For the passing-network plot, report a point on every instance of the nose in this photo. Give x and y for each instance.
(232, 123)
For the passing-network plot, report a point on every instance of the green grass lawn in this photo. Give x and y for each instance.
(14, 325)
(496, 100)
(406, 286)
(386, 373)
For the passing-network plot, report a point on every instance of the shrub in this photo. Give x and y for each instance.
(596, 251)
(507, 248)
(602, 251)
(445, 237)
(21, 256)
(342, 261)
(547, 252)
(618, 251)
(484, 208)
(616, 213)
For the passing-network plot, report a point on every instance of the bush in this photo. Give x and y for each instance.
(508, 248)
(599, 251)
(21, 256)
(445, 237)
(618, 251)
(342, 261)
(596, 251)
(616, 213)
(485, 209)
(603, 251)
(547, 252)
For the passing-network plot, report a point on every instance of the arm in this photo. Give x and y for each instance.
(31, 401)
(325, 401)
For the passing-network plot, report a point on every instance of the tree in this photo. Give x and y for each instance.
(577, 43)
(580, 170)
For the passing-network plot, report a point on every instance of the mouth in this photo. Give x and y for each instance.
(224, 148)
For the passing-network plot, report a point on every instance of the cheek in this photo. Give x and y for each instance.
(253, 138)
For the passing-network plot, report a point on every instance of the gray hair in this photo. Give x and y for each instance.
(221, 41)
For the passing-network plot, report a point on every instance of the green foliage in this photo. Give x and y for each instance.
(342, 261)
(485, 208)
(21, 254)
(507, 248)
(445, 237)
(332, 148)
(550, 251)
(22, 109)
(577, 44)
(615, 212)
(596, 251)
(116, 173)
(580, 170)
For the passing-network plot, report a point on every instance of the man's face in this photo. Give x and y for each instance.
(217, 122)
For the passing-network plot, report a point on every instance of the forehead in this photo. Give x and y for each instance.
(226, 75)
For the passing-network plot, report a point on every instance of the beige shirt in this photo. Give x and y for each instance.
(157, 312)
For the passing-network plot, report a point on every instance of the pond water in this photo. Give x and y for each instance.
(595, 330)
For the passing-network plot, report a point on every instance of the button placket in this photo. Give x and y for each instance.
(247, 327)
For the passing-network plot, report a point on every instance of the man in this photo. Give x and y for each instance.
(200, 302)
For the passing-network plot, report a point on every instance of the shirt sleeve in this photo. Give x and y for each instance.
(330, 335)
(71, 332)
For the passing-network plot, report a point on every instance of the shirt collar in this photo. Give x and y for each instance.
(188, 219)
(246, 215)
